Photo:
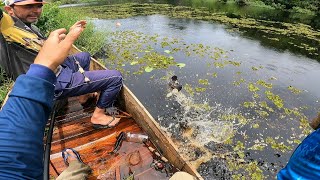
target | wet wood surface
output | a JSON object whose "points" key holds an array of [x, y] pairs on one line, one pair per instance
{"points": [[74, 130]]}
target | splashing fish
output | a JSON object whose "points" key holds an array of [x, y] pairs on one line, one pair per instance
{"points": [[174, 83]]}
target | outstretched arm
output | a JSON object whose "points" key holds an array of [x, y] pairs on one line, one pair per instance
{"points": [[23, 118]]}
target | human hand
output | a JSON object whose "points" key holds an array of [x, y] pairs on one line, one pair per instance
{"points": [[315, 122], [81, 23], [57, 46]]}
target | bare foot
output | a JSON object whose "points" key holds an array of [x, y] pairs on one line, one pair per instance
{"points": [[99, 117], [84, 98]]}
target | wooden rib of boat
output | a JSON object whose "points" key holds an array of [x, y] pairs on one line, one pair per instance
{"points": [[74, 130]]}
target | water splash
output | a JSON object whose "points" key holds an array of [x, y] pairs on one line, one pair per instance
{"points": [[202, 120]]}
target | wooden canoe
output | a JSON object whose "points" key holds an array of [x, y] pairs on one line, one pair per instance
{"points": [[74, 130]]}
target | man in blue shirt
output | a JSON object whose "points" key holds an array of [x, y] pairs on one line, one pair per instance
{"points": [[24, 116]]}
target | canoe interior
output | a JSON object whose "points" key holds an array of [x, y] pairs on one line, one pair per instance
{"points": [[74, 130]]}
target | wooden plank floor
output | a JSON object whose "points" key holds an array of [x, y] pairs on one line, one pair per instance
{"points": [[74, 130]]}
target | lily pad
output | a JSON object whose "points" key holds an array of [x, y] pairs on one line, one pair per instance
{"points": [[148, 69], [133, 63], [167, 51], [181, 65]]}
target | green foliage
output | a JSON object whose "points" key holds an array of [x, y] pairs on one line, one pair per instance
{"points": [[241, 2], [312, 5], [5, 85], [66, 1], [223, 1], [49, 19], [54, 18]]}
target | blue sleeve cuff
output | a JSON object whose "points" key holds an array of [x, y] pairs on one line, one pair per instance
{"points": [[43, 72]]}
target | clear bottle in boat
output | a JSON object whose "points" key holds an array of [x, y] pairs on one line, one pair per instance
{"points": [[139, 138]]}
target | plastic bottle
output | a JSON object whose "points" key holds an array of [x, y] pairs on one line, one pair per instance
{"points": [[139, 138]]}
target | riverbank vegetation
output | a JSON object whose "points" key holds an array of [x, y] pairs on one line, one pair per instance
{"points": [[306, 6]]}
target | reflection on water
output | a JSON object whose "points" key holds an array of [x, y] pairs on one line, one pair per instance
{"points": [[204, 121]]}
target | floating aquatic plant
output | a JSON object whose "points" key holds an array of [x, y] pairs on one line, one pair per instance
{"points": [[189, 89], [275, 99], [167, 51], [181, 65], [148, 69], [294, 90], [200, 89], [237, 83], [278, 145], [204, 82], [264, 84], [253, 88]]}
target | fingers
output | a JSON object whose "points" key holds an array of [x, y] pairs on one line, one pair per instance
{"points": [[62, 36], [57, 46], [82, 22], [79, 23], [57, 33], [72, 36]]}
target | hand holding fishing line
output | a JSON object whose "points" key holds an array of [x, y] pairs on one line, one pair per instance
{"points": [[57, 47]]}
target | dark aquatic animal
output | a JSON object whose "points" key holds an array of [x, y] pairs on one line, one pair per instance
{"points": [[174, 84], [118, 143]]}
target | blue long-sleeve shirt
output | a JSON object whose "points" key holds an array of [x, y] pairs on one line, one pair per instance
{"points": [[22, 124], [305, 161]]}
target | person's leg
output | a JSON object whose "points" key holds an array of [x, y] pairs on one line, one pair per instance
{"points": [[84, 59], [76, 170], [108, 82]]}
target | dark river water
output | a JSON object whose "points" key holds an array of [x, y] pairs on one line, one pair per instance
{"points": [[281, 68]]}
